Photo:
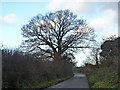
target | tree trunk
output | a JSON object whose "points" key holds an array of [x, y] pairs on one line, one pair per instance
{"points": [[97, 63]]}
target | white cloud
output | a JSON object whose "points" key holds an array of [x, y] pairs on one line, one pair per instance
{"points": [[104, 19], [102, 16], [106, 24], [10, 19], [75, 6]]}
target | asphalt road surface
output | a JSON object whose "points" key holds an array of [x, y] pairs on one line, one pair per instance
{"points": [[78, 81]]}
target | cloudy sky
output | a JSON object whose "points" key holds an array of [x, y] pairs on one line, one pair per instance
{"points": [[102, 16]]}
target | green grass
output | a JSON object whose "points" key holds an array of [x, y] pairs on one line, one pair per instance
{"points": [[50, 83], [103, 78], [38, 84]]}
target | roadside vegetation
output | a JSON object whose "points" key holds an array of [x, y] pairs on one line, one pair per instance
{"points": [[46, 55], [50, 83], [103, 78], [105, 74], [22, 70]]}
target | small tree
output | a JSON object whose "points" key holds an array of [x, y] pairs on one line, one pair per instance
{"points": [[94, 57], [56, 33]]}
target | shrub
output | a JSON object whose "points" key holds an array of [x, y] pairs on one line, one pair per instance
{"points": [[101, 84]]}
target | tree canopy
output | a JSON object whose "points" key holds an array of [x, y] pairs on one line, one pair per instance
{"points": [[110, 47], [55, 34]]}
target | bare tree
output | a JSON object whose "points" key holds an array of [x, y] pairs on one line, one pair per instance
{"points": [[56, 33], [94, 57]]}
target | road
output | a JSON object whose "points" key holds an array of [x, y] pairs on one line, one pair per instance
{"points": [[77, 81]]}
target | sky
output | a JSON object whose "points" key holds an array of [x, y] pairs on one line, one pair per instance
{"points": [[102, 16]]}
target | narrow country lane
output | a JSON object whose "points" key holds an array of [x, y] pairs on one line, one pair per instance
{"points": [[78, 81]]}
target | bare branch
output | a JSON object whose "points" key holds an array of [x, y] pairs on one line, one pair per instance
{"points": [[60, 31]]}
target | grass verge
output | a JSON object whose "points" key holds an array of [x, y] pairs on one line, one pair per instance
{"points": [[103, 78], [51, 83]]}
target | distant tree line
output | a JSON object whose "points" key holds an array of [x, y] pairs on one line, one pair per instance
{"points": [[105, 73], [105, 55]]}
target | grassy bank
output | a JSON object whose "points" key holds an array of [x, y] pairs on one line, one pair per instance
{"points": [[103, 78], [51, 83], [45, 84]]}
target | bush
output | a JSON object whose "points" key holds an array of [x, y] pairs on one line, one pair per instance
{"points": [[24, 70], [103, 78], [101, 84]]}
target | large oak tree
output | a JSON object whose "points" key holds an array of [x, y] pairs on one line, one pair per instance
{"points": [[55, 34]]}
